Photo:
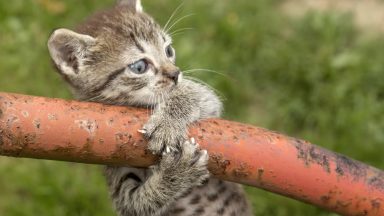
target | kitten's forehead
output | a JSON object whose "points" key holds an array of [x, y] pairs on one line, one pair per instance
{"points": [[121, 24]]}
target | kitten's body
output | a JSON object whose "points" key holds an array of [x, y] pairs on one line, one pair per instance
{"points": [[94, 62]]}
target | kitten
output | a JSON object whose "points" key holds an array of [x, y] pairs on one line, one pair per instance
{"points": [[121, 56]]}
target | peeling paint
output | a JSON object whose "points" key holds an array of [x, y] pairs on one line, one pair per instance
{"points": [[37, 123], [10, 120], [25, 113], [242, 171], [220, 162], [88, 125], [52, 117]]}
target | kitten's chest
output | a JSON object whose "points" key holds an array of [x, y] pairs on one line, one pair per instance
{"points": [[214, 198]]}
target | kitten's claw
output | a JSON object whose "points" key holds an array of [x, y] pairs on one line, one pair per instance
{"points": [[167, 149], [193, 142], [143, 131]]}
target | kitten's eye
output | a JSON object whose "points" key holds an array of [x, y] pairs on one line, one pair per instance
{"points": [[139, 67], [169, 51]]}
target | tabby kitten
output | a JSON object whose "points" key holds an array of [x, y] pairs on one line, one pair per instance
{"points": [[121, 56]]}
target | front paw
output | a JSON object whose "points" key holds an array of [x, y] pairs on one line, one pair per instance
{"points": [[162, 137], [189, 165]]}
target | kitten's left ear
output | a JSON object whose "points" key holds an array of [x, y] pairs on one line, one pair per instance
{"points": [[135, 5]]}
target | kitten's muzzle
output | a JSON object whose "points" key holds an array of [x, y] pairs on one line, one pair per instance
{"points": [[174, 76]]}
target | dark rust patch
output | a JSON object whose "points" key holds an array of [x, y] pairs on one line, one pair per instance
{"points": [[1, 139], [86, 151], [376, 204], [339, 170], [325, 199], [17, 143], [377, 181], [310, 154], [64, 153], [260, 173], [346, 165], [220, 162], [37, 123], [68, 150]]}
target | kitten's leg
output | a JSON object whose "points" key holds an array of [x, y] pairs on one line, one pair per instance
{"points": [[186, 103], [150, 195]]}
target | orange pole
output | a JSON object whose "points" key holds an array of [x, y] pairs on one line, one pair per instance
{"points": [[37, 127]]}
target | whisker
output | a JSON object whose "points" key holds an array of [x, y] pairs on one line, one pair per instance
{"points": [[190, 71], [221, 95], [179, 31], [162, 97], [178, 20], [149, 106], [172, 15]]}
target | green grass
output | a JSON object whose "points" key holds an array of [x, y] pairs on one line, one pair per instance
{"points": [[316, 77]]}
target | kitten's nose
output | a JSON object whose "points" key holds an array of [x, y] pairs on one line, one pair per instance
{"points": [[174, 76]]}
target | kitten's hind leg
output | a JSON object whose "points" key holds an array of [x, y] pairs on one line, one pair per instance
{"points": [[151, 194]]}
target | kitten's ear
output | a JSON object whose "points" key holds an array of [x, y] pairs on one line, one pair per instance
{"points": [[135, 5], [68, 49]]}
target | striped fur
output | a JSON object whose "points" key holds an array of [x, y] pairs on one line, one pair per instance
{"points": [[94, 60]]}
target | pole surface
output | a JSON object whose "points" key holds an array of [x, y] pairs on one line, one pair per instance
{"points": [[56, 129]]}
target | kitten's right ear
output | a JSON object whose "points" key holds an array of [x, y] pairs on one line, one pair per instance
{"points": [[68, 50]]}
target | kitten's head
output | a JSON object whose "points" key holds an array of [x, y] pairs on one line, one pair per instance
{"points": [[118, 56]]}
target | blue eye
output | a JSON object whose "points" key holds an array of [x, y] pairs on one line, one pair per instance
{"points": [[139, 67]]}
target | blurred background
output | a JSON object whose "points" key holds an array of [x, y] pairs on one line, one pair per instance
{"points": [[310, 69]]}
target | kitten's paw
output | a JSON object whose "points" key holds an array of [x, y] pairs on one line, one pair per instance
{"points": [[189, 164], [162, 137]]}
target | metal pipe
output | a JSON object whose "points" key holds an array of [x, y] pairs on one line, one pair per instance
{"points": [[56, 129]]}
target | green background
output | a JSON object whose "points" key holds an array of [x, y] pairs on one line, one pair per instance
{"points": [[317, 77]]}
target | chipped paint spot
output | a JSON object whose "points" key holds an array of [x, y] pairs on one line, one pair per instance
{"points": [[52, 116], [220, 162], [376, 203], [101, 141], [25, 113], [11, 119], [37, 123], [88, 125], [242, 171], [110, 122], [123, 138]]}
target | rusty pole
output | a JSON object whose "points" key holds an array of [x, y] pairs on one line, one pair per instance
{"points": [[56, 129]]}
